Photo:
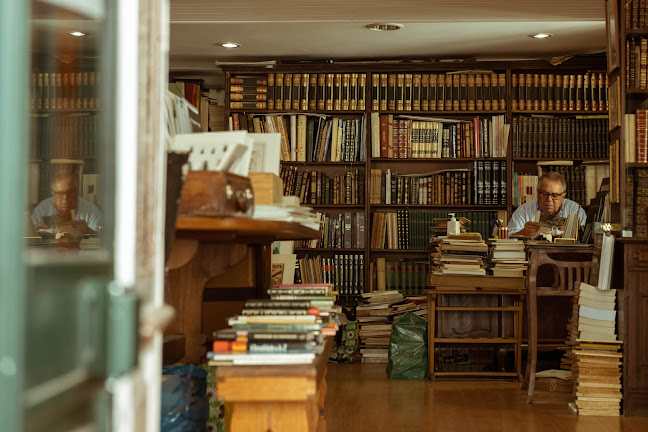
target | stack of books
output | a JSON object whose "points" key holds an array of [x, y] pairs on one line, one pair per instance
{"points": [[288, 329], [374, 323], [595, 359], [507, 258], [248, 92], [460, 254]]}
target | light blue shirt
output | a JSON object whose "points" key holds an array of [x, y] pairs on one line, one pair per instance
{"points": [[527, 212], [85, 210]]}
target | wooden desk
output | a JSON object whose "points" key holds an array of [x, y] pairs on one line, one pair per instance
{"points": [[573, 263], [275, 398], [204, 248], [473, 285]]}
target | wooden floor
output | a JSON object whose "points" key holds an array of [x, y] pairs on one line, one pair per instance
{"points": [[361, 398]]}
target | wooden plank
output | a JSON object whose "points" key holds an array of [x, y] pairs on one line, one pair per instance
{"points": [[477, 308], [476, 281], [477, 340]]}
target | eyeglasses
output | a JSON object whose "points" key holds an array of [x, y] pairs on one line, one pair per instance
{"points": [[62, 194], [554, 196]]}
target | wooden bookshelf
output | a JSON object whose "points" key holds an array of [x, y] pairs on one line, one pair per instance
{"points": [[368, 161]]}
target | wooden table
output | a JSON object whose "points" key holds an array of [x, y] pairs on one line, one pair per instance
{"points": [[475, 285], [204, 248], [286, 398], [573, 263]]}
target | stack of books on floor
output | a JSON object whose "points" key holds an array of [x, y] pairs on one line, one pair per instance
{"points": [[374, 319], [278, 331], [460, 254], [596, 359], [507, 258]]}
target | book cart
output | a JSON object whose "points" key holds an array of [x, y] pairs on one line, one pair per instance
{"points": [[457, 299]]}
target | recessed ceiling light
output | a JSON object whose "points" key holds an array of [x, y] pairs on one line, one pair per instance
{"points": [[230, 45], [541, 35], [77, 33], [385, 26]]}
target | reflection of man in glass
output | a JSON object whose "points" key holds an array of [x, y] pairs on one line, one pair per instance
{"points": [[65, 208]]}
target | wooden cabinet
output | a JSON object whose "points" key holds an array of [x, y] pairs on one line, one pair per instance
{"points": [[629, 277]]}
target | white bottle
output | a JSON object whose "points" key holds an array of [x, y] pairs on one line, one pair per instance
{"points": [[453, 225]]}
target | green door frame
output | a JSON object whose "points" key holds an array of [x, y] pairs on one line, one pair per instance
{"points": [[14, 112]]}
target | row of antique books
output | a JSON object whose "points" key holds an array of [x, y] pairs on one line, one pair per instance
{"points": [[637, 188], [345, 272], [287, 329], [309, 138], [551, 92], [636, 15], [64, 136], [346, 230], [550, 137], [300, 91], [451, 91], [408, 277], [64, 90], [420, 137], [485, 184], [413, 229], [636, 63], [316, 187], [636, 136]]}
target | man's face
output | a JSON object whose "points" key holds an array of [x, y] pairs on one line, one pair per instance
{"points": [[65, 193], [550, 197]]}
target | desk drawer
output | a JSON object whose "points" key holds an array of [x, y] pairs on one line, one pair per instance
{"points": [[637, 255]]}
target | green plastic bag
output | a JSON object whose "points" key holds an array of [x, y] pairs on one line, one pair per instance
{"points": [[408, 351]]}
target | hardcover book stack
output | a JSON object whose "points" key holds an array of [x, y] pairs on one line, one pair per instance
{"points": [[549, 137], [433, 138], [507, 258], [277, 331], [524, 188], [315, 187], [460, 254], [248, 92], [322, 92], [551, 92], [309, 138], [450, 91], [374, 322], [347, 230], [595, 359], [344, 271]]}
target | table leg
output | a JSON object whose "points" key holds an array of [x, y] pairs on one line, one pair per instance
{"points": [[431, 332]]}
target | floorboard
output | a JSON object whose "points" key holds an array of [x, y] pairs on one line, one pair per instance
{"points": [[361, 398]]}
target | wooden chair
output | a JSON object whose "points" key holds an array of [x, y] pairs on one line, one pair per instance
{"points": [[571, 264]]}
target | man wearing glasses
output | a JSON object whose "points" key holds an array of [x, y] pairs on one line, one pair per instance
{"points": [[66, 208], [551, 202]]}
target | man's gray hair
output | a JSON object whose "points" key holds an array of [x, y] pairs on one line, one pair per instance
{"points": [[554, 177]]}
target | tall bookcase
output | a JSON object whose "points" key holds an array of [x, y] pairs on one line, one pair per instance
{"points": [[396, 97]]}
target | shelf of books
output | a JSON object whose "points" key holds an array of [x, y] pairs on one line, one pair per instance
{"points": [[384, 154], [629, 142]]}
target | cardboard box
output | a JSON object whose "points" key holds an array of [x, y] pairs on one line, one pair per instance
{"points": [[268, 188]]}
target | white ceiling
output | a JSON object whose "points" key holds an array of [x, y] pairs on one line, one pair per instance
{"points": [[336, 29]]}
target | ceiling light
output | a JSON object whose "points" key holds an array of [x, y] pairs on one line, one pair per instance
{"points": [[385, 26], [77, 33], [541, 35], [230, 45]]}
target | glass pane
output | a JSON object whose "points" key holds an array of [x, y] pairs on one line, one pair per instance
{"points": [[65, 203]]}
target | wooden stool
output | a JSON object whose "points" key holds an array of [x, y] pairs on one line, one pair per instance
{"points": [[573, 264]]}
